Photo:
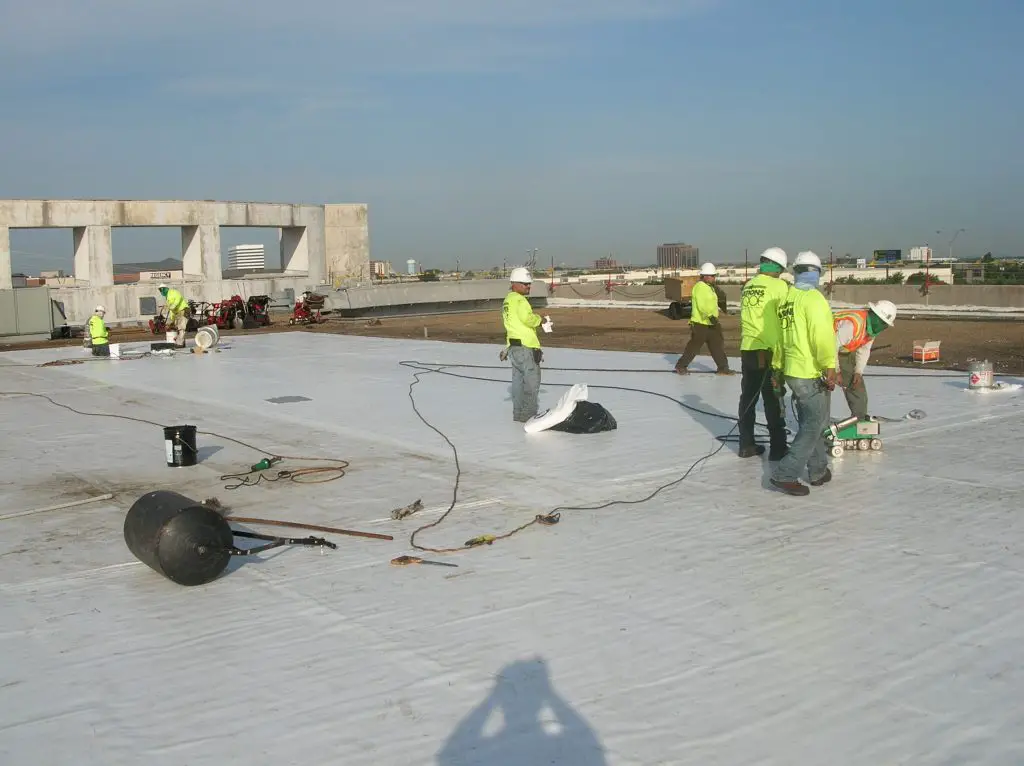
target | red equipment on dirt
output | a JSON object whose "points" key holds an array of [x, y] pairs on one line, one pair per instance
{"points": [[257, 311], [229, 313], [307, 310]]}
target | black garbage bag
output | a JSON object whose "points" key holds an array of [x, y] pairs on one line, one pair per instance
{"points": [[587, 418]]}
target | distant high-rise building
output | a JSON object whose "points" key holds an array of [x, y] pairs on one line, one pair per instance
{"points": [[247, 258], [606, 263], [380, 268], [678, 255]]}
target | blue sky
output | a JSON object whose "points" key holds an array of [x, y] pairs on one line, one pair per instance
{"points": [[478, 129]]}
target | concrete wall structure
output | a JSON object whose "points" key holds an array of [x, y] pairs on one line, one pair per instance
{"points": [[990, 296], [319, 244], [455, 295]]}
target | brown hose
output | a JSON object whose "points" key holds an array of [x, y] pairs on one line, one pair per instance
{"points": [[313, 527]]}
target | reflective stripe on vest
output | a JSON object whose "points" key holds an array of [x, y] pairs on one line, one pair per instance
{"points": [[858, 320]]}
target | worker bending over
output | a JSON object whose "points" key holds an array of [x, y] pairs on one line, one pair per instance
{"points": [[177, 313], [704, 326], [761, 299], [856, 330], [807, 363], [99, 336], [522, 347]]}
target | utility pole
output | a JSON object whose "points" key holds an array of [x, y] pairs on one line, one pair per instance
{"points": [[745, 265]]}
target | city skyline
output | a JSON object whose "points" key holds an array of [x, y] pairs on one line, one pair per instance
{"points": [[478, 130]]}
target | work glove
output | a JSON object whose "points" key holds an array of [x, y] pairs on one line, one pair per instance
{"points": [[830, 379], [547, 325], [503, 355], [538, 355], [858, 381]]}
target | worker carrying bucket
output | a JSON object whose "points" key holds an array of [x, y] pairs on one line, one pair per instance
{"points": [[856, 330], [177, 313]]}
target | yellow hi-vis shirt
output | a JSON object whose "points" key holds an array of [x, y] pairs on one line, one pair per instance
{"points": [[520, 322], [176, 303], [808, 341], [98, 331], [759, 312], [703, 303]]}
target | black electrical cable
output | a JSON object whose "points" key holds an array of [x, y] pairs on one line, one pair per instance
{"points": [[553, 516]]}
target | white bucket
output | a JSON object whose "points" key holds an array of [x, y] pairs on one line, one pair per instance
{"points": [[979, 374], [207, 337], [115, 350], [172, 337]]}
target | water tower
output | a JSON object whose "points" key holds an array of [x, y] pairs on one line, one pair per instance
{"points": [[411, 266]]}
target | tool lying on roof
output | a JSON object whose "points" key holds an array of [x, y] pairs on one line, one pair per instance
{"points": [[190, 543], [215, 504], [402, 561]]}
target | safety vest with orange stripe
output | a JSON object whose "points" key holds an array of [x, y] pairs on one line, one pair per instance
{"points": [[851, 328]]}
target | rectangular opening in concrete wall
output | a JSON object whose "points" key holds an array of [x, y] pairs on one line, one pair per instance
{"points": [[147, 306], [35, 252], [146, 253], [250, 250]]}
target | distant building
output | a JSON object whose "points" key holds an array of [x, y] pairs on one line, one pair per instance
{"points": [[923, 254], [606, 263], [678, 255], [380, 268], [247, 258]]}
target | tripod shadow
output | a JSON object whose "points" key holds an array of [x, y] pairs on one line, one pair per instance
{"points": [[522, 721]]}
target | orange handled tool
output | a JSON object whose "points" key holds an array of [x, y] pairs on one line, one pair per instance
{"points": [[402, 561]]}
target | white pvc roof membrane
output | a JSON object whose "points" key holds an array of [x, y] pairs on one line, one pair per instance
{"points": [[877, 621]]}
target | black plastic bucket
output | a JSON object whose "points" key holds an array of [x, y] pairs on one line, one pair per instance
{"points": [[181, 539], [180, 445]]}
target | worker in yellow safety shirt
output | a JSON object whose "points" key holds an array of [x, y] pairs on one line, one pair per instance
{"points": [[522, 346], [856, 330], [760, 337], [704, 326], [99, 336], [807, 364], [177, 313]]}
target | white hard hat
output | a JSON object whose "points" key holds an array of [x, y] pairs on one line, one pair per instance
{"points": [[521, 275], [100, 310], [807, 258], [775, 255], [886, 311], [162, 286], [708, 270]]}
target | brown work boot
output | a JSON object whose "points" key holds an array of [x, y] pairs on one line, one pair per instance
{"points": [[752, 450], [792, 487], [823, 479], [725, 372], [682, 371]]}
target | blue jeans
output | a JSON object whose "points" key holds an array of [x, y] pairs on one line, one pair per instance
{"points": [[808, 447], [525, 382]]}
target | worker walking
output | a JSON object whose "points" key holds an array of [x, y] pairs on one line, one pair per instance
{"points": [[99, 336], [761, 299], [704, 326], [177, 313], [807, 363], [522, 347], [856, 330]]}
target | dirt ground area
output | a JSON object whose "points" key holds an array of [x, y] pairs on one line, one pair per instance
{"points": [[963, 340]]}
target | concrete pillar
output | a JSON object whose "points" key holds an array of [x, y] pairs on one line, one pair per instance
{"points": [[200, 252], [6, 283], [346, 243], [294, 249], [94, 258]]}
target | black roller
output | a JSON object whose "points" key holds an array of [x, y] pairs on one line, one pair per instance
{"points": [[181, 539]]}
